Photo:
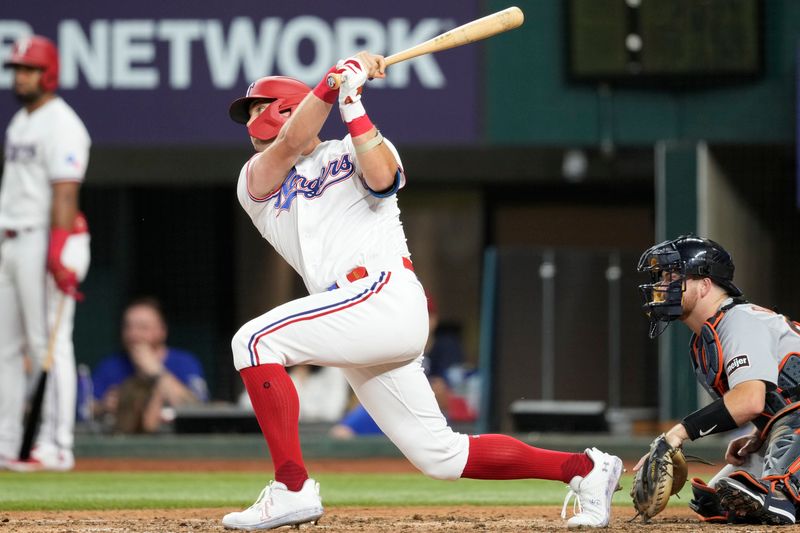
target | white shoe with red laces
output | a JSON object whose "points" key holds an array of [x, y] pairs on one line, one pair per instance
{"points": [[278, 506], [594, 492]]}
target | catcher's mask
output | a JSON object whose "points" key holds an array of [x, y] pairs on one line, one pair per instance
{"points": [[283, 93], [670, 264]]}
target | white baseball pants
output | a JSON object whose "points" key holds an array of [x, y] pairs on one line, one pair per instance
{"points": [[375, 330]]}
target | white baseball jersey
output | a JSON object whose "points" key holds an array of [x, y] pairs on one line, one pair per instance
{"points": [[324, 220], [49, 145]]}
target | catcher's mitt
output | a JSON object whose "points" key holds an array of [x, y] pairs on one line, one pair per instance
{"points": [[662, 474]]}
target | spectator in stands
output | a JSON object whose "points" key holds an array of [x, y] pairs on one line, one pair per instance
{"points": [[135, 388], [444, 366]]}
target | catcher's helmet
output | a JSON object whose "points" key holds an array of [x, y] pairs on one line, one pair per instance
{"points": [[688, 255], [37, 52], [285, 94]]}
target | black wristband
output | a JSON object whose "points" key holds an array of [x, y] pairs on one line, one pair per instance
{"points": [[713, 418]]}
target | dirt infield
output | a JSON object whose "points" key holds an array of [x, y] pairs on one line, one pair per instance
{"points": [[345, 519], [363, 520]]}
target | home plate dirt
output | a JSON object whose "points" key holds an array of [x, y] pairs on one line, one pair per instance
{"points": [[361, 519]]}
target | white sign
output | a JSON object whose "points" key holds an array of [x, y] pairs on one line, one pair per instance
{"points": [[123, 54]]}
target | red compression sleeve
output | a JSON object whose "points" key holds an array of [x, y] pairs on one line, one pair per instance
{"points": [[503, 457], [277, 409]]}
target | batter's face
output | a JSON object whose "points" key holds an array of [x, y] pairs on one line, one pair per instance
{"points": [[143, 325], [26, 84], [256, 108]]}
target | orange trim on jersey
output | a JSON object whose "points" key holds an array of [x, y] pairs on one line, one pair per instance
{"points": [[783, 412], [786, 358]]}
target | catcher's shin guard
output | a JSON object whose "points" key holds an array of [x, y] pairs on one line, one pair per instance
{"points": [[782, 455], [705, 503]]}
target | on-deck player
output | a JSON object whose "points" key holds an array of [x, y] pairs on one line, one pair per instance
{"points": [[329, 208], [44, 253]]}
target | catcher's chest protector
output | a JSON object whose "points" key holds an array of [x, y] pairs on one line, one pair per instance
{"points": [[708, 362]]}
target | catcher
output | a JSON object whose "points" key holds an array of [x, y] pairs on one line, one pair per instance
{"points": [[747, 357]]}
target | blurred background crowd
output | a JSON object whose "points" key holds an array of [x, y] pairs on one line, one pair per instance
{"points": [[540, 164]]}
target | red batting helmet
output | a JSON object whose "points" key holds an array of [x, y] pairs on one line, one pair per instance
{"points": [[284, 93], [37, 52]]}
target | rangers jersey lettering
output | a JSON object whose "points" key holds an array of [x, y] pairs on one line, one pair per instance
{"points": [[324, 220], [336, 171]]}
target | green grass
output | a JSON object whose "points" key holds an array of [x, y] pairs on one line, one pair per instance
{"points": [[159, 490]]}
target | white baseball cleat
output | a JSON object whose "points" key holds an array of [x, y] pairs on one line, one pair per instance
{"points": [[593, 493], [45, 458], [278, 506]]}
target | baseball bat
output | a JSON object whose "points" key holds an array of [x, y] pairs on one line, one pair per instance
{"points": [[35, 413], [478, 29]]}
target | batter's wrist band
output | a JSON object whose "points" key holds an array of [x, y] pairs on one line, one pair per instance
{"points": [[370, 144], [711, 419], [360, 125], [325, 93]]}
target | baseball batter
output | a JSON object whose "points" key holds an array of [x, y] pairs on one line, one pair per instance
{"points": [[330, 209], [44, 253], [747, 357]]}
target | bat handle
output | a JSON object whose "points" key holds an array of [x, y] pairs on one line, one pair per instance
{"points": [[334, 80]]}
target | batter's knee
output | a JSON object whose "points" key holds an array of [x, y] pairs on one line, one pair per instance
{"points": [[240, 350], [445, 461], [441, 471]]}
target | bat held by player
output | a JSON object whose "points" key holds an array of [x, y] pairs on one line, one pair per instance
{"points": [[477, 30]]}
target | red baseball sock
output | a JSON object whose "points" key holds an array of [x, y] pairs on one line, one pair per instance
{"points": [[277, 409], [504, 457]]}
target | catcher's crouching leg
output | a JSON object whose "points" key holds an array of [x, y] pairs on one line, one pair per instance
{"points": [[782, 458], [754, 501], [773, 498], [705, 502]]}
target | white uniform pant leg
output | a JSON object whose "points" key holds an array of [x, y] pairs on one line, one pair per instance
{"points": [[57, 431], [379, 319], [30, 280], [12, 370], [400, 400]]}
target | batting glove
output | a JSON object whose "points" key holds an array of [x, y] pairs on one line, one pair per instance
{"points": [[353, 79]]}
